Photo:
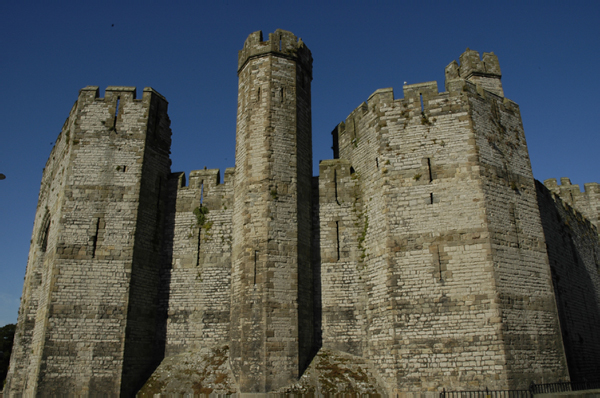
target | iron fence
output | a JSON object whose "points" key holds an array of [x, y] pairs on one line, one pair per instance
{"points": [[486, 394], [546, 388], [563, 387]]}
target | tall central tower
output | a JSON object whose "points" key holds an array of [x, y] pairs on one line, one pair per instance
{"points": [[271, 305]]}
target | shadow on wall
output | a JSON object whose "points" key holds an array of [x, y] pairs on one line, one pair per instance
{"points": [[573, 247]]}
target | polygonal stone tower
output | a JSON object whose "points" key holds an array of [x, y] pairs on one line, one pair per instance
{"points": [[271, 305], [87, 323]]}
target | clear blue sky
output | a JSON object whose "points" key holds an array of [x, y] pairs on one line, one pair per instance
{"points": [[549, 53]]}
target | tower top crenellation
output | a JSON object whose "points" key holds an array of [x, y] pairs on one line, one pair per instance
{"points": [[484, 71], [281, 43]]}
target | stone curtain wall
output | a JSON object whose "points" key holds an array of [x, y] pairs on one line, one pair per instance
{"points": [[573, 253], [197, 277], [587, 202], [343, 292]]}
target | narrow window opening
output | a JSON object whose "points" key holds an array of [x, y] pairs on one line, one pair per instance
{"points": [[336, 143], [431, 198], [45, 233], [337, 237], [117, 111], [439, 262], [335, 186], [377, 162], [255, 259], [282, 94], [279, 43], [422, 107], [123, 168], [258, 95], [95, 238], [198, 247], [201, 191], [429, 168]]}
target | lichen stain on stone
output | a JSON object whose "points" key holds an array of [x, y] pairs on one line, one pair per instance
{"points": [[200, 372]]}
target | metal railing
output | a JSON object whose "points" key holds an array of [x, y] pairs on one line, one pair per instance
{"points": [[486, 394], [546, 388]]}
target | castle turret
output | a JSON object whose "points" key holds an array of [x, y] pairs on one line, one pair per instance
{"points": [[484, 72], [271, 307]]}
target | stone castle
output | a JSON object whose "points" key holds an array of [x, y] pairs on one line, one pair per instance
{"points": [[424, 256]]}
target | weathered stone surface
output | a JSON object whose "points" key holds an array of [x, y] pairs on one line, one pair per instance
{"points": [[424, 256], [205, 372]]}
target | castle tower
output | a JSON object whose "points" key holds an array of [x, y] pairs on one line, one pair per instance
{"points": [[87, 323], [439, 233], [485, 72], [271, 305]]}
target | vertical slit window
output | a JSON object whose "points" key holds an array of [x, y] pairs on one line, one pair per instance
{"points": [[422, 107], [198, 246], [117, 111], [439, 262], [377, 162], [335, 186], [201, 191], [431, 198], [429, 168], [95, 238], [255, 260], [337, 237]]}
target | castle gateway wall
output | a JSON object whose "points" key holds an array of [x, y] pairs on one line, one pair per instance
{"points": [[424, 257]]}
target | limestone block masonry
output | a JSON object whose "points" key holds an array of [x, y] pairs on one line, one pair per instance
{"points": [[423, 257]]}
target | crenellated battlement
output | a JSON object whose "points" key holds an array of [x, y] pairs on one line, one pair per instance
{"points": [[125, 93], [281, 43], [426, 231], [586, 202], [482, 71]]}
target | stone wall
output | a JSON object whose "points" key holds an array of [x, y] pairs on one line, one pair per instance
{"points": [[587, 202], [196, 278], [573, 252], [272, 299], [448, 264], [343, 292], [24, 364], [97, 301], [530, 333], [423, 257]]}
